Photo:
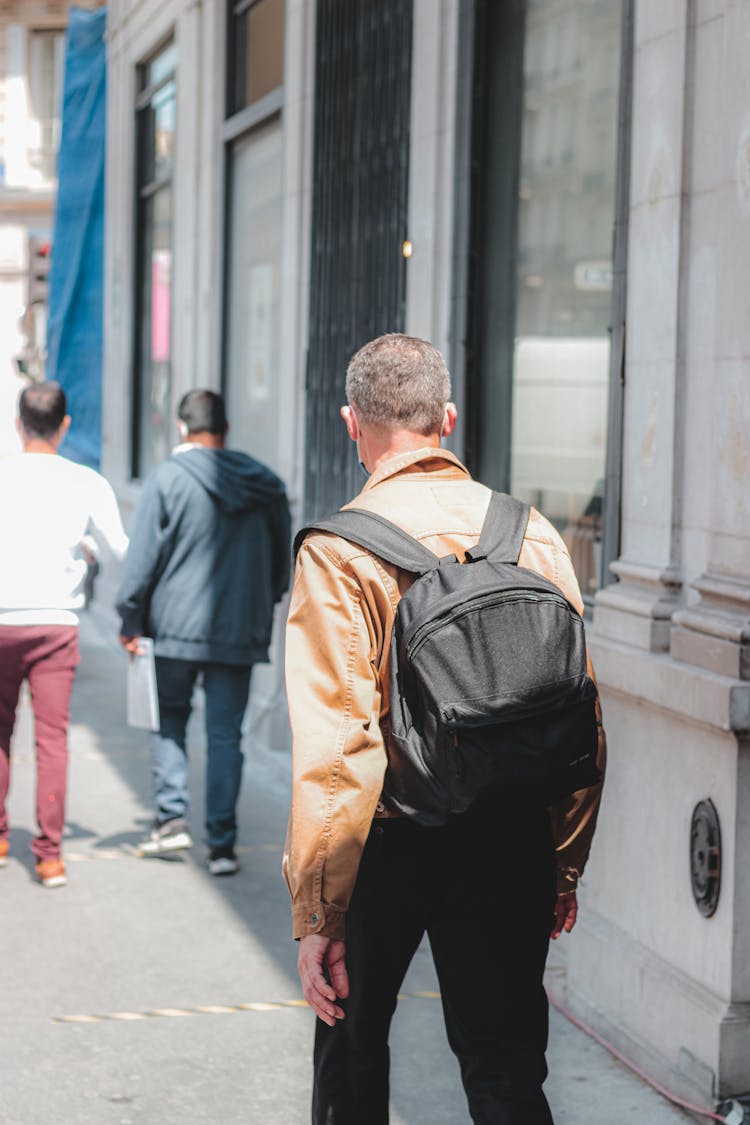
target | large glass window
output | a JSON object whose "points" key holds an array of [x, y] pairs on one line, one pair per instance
{"points": [[155, 129], [255, 50], [564, 268], [542, 228], [253, 291]]}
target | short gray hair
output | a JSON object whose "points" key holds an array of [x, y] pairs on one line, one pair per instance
{"points": [[399, 382]]}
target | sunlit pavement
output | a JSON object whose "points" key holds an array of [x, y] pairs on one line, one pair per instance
{"points": [[148, 992]]}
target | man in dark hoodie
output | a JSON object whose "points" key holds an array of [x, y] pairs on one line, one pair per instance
{"points": [[208, 559]]}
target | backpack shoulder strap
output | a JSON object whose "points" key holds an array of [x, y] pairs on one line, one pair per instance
{"points": [[376, 534], [503, 529]]}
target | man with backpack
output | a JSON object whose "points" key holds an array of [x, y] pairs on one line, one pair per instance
{"points": [[447, 750]]}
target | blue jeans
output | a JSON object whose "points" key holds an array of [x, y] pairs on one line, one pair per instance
{"points": [[227, 687]]}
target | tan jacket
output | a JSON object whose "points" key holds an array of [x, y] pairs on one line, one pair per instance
{"points": [[338, 637]]}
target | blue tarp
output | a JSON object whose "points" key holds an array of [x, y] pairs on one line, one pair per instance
{"points": [[74, 335]]}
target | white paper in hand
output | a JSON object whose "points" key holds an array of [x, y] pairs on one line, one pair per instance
{"points": [[143, 702]]}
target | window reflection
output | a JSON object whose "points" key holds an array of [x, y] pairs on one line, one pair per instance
{"points": [[566, 213], [253, 292], [154, 268], [158, 68]]}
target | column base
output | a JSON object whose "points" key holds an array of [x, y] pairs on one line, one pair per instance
{"points": [[715, 634], [678, 1032], [638, 609]]}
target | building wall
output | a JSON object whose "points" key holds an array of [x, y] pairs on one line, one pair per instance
{"points": [[135, 31], [670, 639], [27, 193]]}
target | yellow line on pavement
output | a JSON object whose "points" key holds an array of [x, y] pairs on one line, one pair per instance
{"points": [[131, 851], [213, 1009]]}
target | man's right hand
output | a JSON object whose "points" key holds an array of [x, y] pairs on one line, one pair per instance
{"points": [[566, 912], [316, 954], [130, 644]]}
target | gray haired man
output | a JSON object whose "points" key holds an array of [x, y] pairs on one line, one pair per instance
{"points": [[488, 887]]}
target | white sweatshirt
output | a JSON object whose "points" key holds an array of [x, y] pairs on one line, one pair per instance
{"points": [[47, 505]]}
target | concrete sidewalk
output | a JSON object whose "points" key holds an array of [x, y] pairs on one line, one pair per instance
{"points": [[148, 992]]}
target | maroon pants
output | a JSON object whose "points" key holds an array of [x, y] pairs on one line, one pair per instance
{"points": [[47, 656]]}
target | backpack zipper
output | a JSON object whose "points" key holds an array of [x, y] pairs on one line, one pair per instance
{"points": [[486, 601]]}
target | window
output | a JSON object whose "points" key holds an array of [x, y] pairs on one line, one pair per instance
{"points": [[564, 270], [155, 140], [252, 313], [253, 308], [46, 71], [543, 210], [256, 51]]}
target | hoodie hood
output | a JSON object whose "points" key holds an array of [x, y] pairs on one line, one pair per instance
{"points": [[235, 482]]}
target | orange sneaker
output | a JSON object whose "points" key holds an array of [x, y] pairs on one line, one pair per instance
{"points": [[4, 851], [51, 873]]}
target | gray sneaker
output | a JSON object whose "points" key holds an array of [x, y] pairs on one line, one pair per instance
{"points": [[171, 836]]}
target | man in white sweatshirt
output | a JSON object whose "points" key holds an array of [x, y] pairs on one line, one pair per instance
{"points": [[47, 506]]}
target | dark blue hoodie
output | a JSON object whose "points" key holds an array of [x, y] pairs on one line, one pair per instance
{"points": [[209, 557]]}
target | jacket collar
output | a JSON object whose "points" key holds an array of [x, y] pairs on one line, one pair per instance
{"points": [[429, 460]]}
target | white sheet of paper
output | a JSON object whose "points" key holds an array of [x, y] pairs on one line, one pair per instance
{"points": [[143, 702]]}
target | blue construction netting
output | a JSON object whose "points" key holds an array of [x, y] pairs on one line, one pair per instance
{"points": [[74, 338]]}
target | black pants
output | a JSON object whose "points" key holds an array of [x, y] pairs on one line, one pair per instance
{"points": [[483, 890]]}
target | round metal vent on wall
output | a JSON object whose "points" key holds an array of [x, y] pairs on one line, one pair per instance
{"points": [[705, 857]]}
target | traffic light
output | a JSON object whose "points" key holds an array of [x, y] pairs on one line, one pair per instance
{"points": [[40, 260]]}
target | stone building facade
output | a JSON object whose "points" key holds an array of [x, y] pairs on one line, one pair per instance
{"points": [[671, 636], [557, 193]]}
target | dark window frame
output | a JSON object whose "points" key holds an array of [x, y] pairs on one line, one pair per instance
{"points": [[612, 499]]}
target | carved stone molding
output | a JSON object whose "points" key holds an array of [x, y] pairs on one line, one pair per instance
{"points": [[638, 609], [715, 634]]}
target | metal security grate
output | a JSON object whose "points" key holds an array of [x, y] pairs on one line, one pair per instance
{"points": [[360, 199]]}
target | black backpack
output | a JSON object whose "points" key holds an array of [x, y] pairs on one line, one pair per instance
{"points": [[488, 680]]}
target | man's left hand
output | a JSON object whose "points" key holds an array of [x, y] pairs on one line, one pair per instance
{"points": [[131, 645], [566, 912]]}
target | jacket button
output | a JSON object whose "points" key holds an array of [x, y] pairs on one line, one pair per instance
{"points": [[314, 918], [380, 807]]}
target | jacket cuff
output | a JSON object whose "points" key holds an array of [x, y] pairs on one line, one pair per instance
{"points": [[131, 625], [567, 880], [319, 919]]}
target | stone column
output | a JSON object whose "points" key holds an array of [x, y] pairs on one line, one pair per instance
{"points": [[670, 640], [713, 632], [637, 609]]}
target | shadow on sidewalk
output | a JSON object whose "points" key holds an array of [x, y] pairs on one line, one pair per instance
{"points": [[257, 893]]}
